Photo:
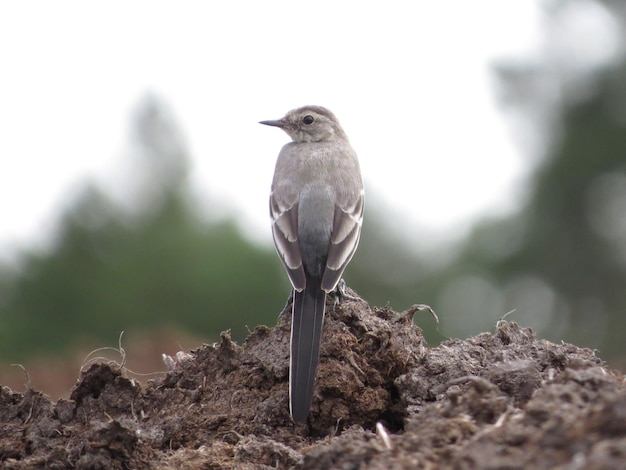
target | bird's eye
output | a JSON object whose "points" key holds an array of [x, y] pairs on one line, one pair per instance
{"points": [[308, 119]]}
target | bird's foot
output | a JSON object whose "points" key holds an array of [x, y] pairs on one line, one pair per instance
{"points": [[286, 310], [341, 293]]}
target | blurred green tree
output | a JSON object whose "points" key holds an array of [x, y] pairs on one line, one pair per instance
{"points": [[560, 262], [147, 263]]}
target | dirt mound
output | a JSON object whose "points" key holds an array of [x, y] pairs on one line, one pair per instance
{"points": [[383, 400]]}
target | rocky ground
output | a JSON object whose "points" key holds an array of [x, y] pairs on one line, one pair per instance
{"points": [[384, 400]]}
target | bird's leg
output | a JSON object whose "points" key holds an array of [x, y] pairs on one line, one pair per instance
{"points": [[286, 309], [341, 293]]}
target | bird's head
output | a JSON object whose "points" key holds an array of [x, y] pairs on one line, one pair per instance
{"points": [[310, 124]]}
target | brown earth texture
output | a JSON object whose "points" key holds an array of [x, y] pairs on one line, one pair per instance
{"points": [[383, 400]]}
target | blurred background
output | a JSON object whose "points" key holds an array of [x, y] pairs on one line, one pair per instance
{"points": [[135, 178]]}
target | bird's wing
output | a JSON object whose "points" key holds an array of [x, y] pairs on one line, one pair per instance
{"points": [[344, 238], [284, 214]]}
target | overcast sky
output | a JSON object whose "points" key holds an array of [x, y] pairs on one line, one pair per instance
{"points": [[410, 83]]}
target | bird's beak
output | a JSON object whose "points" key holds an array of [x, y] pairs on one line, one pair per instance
{"points": [[276, 123]]}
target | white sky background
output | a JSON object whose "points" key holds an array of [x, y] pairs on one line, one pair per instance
{"points": [[410, 83]]}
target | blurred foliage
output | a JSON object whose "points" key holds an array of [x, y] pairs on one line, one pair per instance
{"points": [[559, 263], [150, 264]]}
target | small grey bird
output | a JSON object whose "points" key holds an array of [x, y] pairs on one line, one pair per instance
{"points": [[316, 206]]}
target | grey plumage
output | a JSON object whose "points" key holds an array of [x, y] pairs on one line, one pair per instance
{"points": [[316, 205]]}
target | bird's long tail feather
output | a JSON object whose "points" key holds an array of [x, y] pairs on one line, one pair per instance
{"points": [[306, 335]]}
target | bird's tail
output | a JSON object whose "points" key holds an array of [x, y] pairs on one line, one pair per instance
{"points": [[306, 336]]}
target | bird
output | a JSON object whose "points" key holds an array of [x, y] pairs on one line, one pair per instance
{"points": [[316, 209]]}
